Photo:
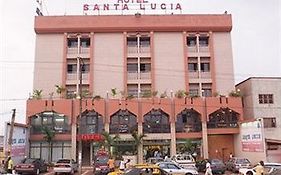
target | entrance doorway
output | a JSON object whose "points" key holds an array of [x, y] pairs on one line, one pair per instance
{"points": [[86, 156], [158, 148]]}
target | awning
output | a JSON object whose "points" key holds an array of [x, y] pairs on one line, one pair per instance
{"points": [[273, 141]]}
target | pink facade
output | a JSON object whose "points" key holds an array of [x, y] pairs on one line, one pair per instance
{"points": [[176, 55]]}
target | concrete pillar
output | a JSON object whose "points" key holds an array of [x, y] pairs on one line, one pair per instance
{"points": [[173, 149], [205, 140], [140, 148], [106, 127], [73, 140]]}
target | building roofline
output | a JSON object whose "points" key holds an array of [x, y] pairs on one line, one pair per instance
{"points": [[132, 23], [256, 78]]}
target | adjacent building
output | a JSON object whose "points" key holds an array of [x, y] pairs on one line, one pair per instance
{"points": [[262, 99], [165, 76]]}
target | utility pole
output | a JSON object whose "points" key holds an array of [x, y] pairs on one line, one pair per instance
{"points": [[10, 139], [79, 91]]}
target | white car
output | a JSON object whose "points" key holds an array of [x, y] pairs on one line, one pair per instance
{"points": [[268, 167], [184, 160], [65, 166], [173, 168]]}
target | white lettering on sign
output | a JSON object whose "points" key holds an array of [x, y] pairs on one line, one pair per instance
{"points": [[126, 5]]}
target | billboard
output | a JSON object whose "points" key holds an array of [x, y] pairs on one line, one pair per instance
{"points": [[252, 137]]}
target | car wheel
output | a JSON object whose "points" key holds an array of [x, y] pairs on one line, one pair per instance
{"points": [[188, 174], [72, 172], [249, 173]]}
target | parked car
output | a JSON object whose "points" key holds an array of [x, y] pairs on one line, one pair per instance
{"points": [[184, 160], [217, 166], [100, 163], [173, 168], [275, 172], [154, 160], [268, 167], [65, 166], [31, 166], [235, 163]]}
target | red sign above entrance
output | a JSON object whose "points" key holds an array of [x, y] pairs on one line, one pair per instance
{"points": [[90, 137]]}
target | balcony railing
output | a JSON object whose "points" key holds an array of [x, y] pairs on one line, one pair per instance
{"points": [[191, 49], [132, 75], [203, 49], [145, 75], [74, 50], [193, 74], [144, 49], [73, 76], [205, 75], [132, 49]]}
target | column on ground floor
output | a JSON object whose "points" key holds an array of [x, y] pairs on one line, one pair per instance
{"points": [[140, 148], [73, 140], [205, 140], [173, 150]]}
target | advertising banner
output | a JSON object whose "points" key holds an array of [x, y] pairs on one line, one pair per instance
{"points": [[252, 137]]}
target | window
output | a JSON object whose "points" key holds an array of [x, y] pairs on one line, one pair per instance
{"points": [[269, 122], [203, 41], [145, 41], [265, 98], [191, 41], [145, 67], [205, 67], [192, 67], [85, 68], [71, 68], [72, 42], [132, 41], [85, 42], [132, 67]]}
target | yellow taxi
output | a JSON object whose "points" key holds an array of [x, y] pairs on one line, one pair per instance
{"points": [[141, 169]]}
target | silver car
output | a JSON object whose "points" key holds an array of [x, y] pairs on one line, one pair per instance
{"points": [[65, 166], [268, 167], [173, 168]]}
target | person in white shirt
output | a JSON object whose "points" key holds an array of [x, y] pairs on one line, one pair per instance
{"points": [[122, 165], [208, 169]]}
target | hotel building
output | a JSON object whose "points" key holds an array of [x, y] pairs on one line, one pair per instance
{"points": [[159, 75]]}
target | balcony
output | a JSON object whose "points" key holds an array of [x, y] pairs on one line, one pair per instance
{"points": [[71, 78], [204, 48], [144, 48], [191, 49], [73, 51], [205, 75], [132, 75], [193, 75], [145, 75], [132, 49], [59, 129]]}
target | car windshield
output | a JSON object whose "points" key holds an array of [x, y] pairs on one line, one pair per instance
{"points": [[63, 161], [242, 161], [102, 159], [27, 161]]}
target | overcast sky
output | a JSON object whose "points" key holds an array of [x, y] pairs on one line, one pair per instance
{"points": [[256, 40]]}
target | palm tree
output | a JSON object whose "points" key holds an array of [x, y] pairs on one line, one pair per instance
{"points": [[138, 138], [109, 141], [60, 89], [189, 146], [37, 94], [48, 136]]}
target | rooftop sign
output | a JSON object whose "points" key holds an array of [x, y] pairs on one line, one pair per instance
{"points": [[133, 5]]}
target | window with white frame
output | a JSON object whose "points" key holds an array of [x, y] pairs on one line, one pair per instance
{"points": [[265, 98], [269, 122]]}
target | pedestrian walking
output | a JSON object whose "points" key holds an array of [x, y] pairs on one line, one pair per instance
{"points": [[10, 165], [111, 164], [208, 169], [122, 165]]}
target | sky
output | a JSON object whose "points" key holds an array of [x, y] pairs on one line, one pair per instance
{"points": [[256, 40]]}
